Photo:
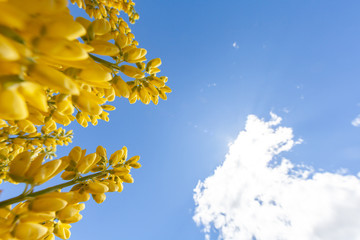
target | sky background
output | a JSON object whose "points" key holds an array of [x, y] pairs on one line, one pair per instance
{"points": [[227, 60]]}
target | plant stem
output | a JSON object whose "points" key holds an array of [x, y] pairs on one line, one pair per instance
{"points": [[104, 62], [23, 197]]}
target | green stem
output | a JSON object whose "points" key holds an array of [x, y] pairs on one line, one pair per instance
{"points": [[104, 62], [23, 197]]}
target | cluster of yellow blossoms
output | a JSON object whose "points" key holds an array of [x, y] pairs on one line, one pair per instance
{"points": [[55, 69]]}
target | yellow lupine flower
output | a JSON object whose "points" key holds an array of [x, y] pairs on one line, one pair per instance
{"points": [[156, 81], [47, 170], [34, 94], [69, 211], [144, 95], [135, 165], [62, 230], [83, 21], [151, 89], [154, 63], [119, 156], [95, 73], [121, 171], [104, 48], [54, 79], [88, 102], [134, 55], [50, 237], [20, 165], [166, 89], [133, 159], [68, 175], [86, 163], [7, 51], [76, 154], [131, 71], [49, 126], [26, 126], [77, 217], [120, 185], [122, 40], [37, 216], [122, 89], [101, 151], [101, 26], [61, 48], [162, 95], [127, 178], [35, 165], [80, 118], [107, 108], [65, 27], [15, 107], [45, 204], [79, 196], [99, 198], [64, 104], [96, 187], [21, 208], [154, 70], [29, 231], [113, 187]]}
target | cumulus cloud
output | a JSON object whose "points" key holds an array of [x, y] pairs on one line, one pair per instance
{"points": [[356, 121], [257, 195]]}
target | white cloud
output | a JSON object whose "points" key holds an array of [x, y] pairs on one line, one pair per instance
{"points": [[235, 45], [250, 196], [356, 121]]}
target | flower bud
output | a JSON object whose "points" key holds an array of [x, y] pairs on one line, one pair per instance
{"points": [[29, 231], [47, 204]]}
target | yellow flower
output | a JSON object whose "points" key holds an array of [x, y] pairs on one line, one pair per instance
{"points": [[135, 55], [62, 230], [61, 48], [26, 126], [7, 51], [20, 165], [100, 26], [65, 27], [131, 71], [13, 105], [96, 187], [86, 163], [29, 231], [104, 48], [95, 73], [154, 63], [35, 95], [70, 211], [37, 217], [122, 89], [99, 198], [49, 170], [54, 79], [44, 204], [118, 157], [88, 102]]}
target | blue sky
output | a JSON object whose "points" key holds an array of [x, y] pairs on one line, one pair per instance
{"points": [[297, 59], [226, 60]]}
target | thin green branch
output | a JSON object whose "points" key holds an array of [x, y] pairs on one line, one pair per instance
{"points": [[23, 197], [104, 62]]}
